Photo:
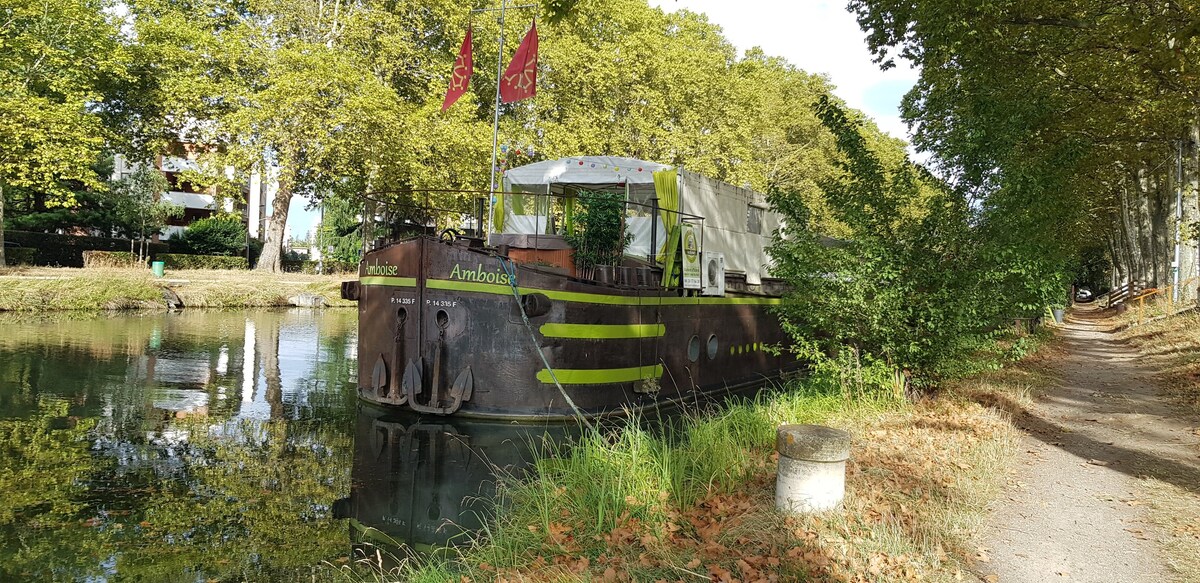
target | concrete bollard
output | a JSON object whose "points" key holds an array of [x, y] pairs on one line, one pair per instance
{"points": [[812, 467]]}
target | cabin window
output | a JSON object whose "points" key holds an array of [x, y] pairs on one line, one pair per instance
{"points": [[754, 219]]}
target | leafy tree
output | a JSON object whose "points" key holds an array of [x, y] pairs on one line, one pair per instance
{"points": [[1063, 121], [341, 230], [900, 287], [142, 206], [58, 56]]}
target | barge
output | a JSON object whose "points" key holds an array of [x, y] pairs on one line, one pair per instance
{"points": [[514, 324]]}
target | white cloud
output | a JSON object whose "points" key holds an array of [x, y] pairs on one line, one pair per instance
{"points": [[818, 36]]}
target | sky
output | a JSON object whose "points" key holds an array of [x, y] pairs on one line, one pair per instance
{"points": [[818, 36]]}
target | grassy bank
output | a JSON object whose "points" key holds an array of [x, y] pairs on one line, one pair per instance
{"points": [[1170, 346], [50, 289], [698, 503]]}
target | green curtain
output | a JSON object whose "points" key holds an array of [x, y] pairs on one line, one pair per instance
{"points": [[569, 213], [666, 188], [498, 214]]}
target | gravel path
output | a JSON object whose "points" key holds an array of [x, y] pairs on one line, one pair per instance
{"points": [[1071, 512]]}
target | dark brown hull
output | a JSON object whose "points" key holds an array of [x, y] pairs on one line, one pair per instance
{"points": [[440, 331]]}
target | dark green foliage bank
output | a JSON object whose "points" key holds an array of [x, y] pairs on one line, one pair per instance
{"points": [[912, 286], [67, 250]]}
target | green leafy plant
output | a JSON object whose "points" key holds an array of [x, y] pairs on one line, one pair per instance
{"points": [[599, 236], [141, 205], [215, 235]]}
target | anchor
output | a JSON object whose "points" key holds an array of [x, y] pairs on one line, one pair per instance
{"points": [[460, 390], [385, 380]]}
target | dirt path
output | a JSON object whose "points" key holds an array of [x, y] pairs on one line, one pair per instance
{"points": [[1072, 511]]}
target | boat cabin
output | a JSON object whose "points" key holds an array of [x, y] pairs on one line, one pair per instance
{"points": [[684, 229]]}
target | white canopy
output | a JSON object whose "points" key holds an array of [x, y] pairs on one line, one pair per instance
{"points": [[584, 171]]}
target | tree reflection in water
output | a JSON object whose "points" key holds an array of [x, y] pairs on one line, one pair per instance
{"points": [[200, 445]]}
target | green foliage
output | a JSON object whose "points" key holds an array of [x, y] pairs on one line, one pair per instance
{"points": [[182, 261], [901, 288], [215, 235], [19, 255], [59, 56], [141, 205], [89, 208], [599, 237], [67, 250], [341, 234], [1061, 120], [111, 259]]}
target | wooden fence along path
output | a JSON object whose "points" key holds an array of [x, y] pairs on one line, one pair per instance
{"points": [[1133, 293]]}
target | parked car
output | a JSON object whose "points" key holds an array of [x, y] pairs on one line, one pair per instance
{"points": [[1084, 295]]}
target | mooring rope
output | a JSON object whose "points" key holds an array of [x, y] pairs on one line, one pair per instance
{"points": [[511, 270]]}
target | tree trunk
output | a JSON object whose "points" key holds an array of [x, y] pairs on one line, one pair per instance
{"points": [[1129, 232], [1158, 209], [267, 341], [368, 227], [1141, 208], [272, 253], [3, 262], [1189, 245]]}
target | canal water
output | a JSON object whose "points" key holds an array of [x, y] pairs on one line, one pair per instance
{"points": [[214, 445]]}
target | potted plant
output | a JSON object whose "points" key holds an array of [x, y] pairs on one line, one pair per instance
{"points": [[598, 237]]}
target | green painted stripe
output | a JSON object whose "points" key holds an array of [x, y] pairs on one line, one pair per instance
{"points": [[601, 376], [469, 286], [590, 298], [602, 331], [392, 281]]}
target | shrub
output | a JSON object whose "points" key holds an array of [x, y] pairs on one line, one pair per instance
{"points": [[67, 250], [19, 256], [216, 235], [110, 259], [181, 261], [307, 266]]}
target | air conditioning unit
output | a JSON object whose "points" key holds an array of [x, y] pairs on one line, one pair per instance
{"points": [[713, 266]]}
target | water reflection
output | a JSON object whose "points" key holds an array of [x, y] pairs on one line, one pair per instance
{"points": [[419, 483], [201, 445]]}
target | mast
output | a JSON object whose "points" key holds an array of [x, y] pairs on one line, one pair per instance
{"points": [[496, 111], [496, 116]]}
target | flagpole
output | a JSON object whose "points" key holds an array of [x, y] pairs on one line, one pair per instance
{"points": [[496, 117]]}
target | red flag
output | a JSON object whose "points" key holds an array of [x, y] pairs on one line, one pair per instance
{"points": [[460, 77], [520, 78]]}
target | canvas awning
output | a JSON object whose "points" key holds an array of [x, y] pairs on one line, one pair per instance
{"points": [[595, 172]]}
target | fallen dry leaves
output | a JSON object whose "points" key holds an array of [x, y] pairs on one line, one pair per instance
{"points": [[906, 469]]}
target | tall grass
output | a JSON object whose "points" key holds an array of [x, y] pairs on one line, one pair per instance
{"points": [[627, 480], [629, 495]]}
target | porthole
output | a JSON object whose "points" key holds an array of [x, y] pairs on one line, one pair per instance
{"points": [[712, 347], [694, 349]]}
